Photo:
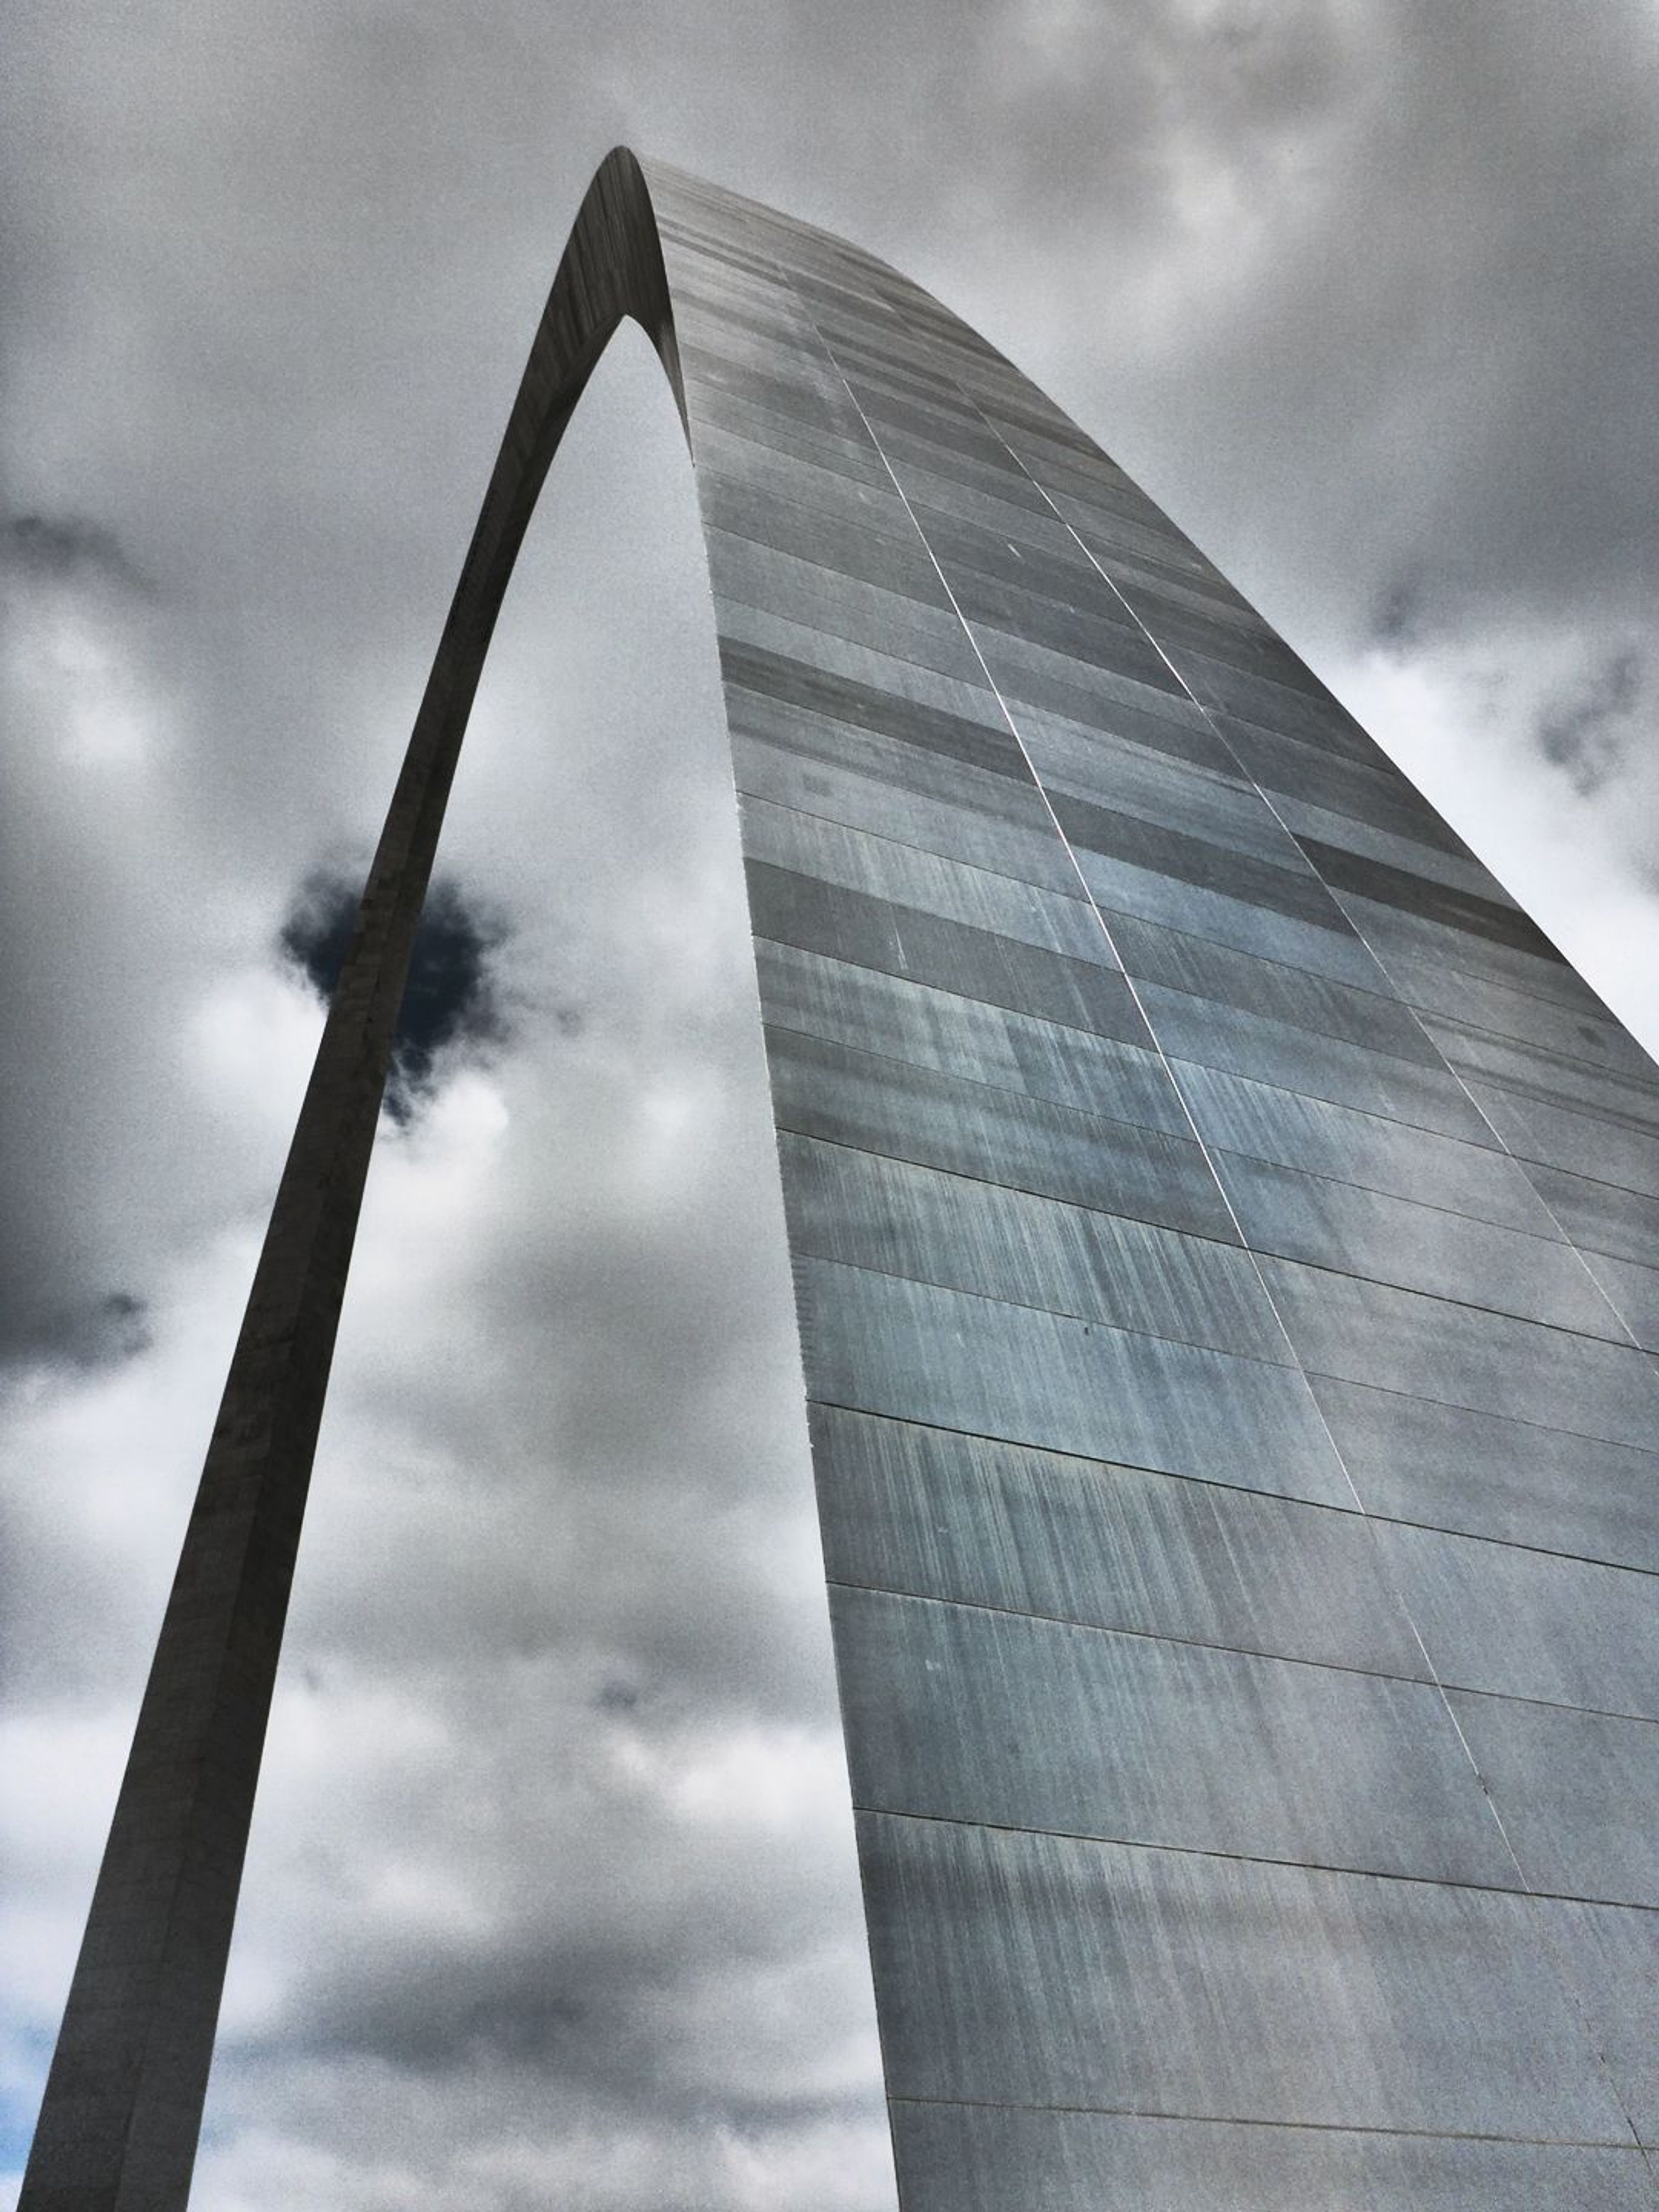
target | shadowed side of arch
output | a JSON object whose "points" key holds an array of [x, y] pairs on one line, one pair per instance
{"points": [[1194, 1165], [122, 2111]]}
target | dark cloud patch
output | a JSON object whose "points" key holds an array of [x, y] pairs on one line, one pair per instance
{"points": [[451, 996], [117, 1329], [1586, 734], [101, 1333], [1397, 616], [57, 546], [317, 934]]}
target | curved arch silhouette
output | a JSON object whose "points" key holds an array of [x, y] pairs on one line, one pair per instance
{"points": [[122, 2111], [1095, 937]]}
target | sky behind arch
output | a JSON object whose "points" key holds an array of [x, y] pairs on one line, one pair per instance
{"points": [[548, 1899]]}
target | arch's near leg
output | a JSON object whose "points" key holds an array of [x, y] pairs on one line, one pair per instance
{"points": [[1179, 1134], [1185, 1144]]}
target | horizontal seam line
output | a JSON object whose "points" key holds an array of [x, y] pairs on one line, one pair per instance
{"points": [[1021, 1190], [976, 1082], [1623, 2146], [972, 867], [1242, 1152], [836, 568], [788, 1127], [1085, 1321], [1468, 938], [1243, 1243], [1198, 1236], [1574, 1061], [992, 1005], [864, 645], [1436, 1065], [1515, 1420], [795, 498], [958, 805], [1521, 1889], [1238, 1651], [1355, 1513]]}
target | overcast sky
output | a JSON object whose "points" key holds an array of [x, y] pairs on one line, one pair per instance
{"points": [[550, 1900]]}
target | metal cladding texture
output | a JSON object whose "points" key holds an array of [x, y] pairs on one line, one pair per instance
{"points": [[1222, 1227]]}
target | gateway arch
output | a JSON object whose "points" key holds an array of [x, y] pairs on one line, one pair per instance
{"points": [[1223, 1228]]}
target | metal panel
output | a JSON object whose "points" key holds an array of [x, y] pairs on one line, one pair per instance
{"points": [[1235, 1114], [1504, 1617], [891, 556], [1245, 983], [956, 687], [1634, 1293], [1534, 1129], [880, 868], [976, 2158], [892, 797], [1418, 855], [1162, 725], [892, 1017], [1487, 1476], [960, 1713], [1123, 774], [826, 1089], [1612, 1954], [1287, 766], [1587, 1028], [930, 1227], [1393, 931], [736, 466], [1489, 912], [1419, 1247], [946, 1516], [790, 909], [1294, 1059], [1277, 879], [1538, 1070], [1576, 1791], [1047, 1971], [1600, 1217], [1460, 1356], [1153, 896], [882, 1345]]}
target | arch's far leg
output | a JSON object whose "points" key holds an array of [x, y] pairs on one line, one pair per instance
{"points": [[122, 2111]]}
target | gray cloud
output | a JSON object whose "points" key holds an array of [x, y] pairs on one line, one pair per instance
{"points": [[1399, 609], [1587, 733], [45, 545], [110, 1327]]}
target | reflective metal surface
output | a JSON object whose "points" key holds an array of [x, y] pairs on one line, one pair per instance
{"points": [[1224, 1242]]}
